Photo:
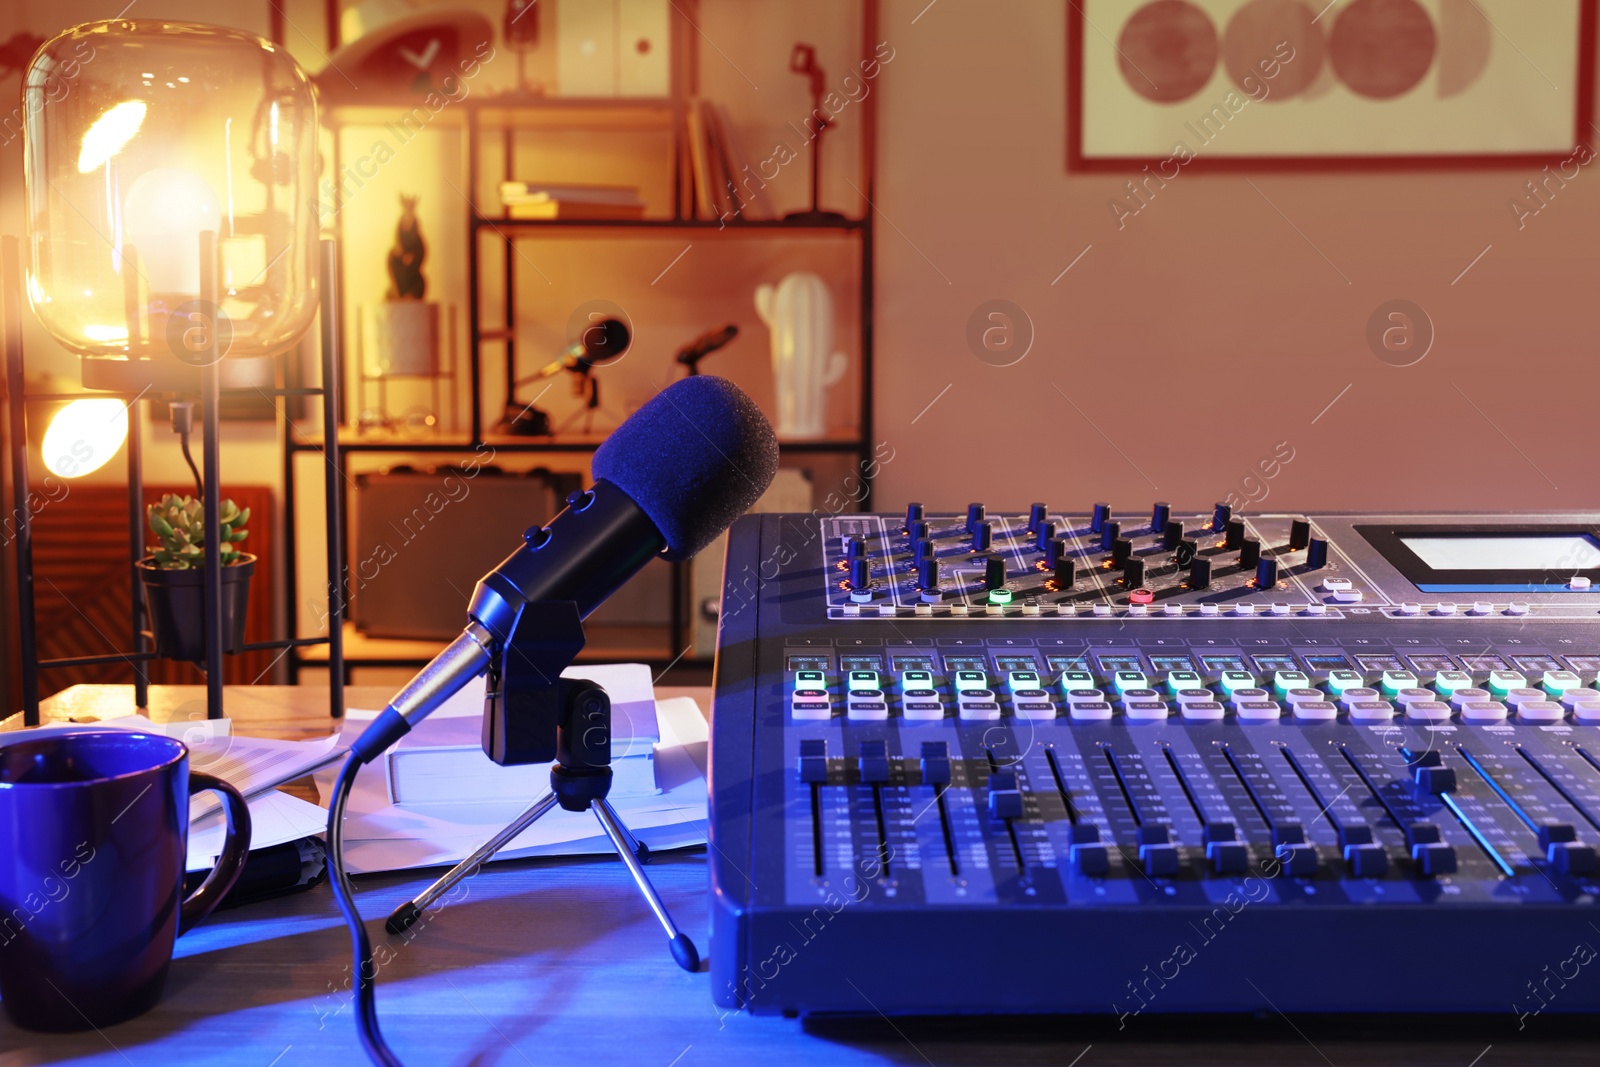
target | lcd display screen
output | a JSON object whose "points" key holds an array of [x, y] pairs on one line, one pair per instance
{"points": [[1564, 552]]}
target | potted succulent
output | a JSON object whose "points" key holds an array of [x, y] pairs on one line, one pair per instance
{"points": [[174, 577]]}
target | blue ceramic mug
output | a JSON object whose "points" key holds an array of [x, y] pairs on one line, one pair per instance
{"points": [[94, 830]]}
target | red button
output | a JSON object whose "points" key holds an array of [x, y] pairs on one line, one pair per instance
{"points": [[1141, 596]]}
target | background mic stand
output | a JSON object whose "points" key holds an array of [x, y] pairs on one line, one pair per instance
{"points": [[533, 715]]}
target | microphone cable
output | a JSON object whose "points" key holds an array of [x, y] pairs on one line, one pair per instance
{"points": [[366, 972]]}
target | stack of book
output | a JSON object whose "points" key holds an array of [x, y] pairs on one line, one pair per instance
{"points": [[545, 200]]}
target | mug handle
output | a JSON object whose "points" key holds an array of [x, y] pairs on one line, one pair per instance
{"points": [[235, 850]]}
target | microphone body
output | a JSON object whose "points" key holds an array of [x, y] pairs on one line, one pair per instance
{"points": [[599, 541]]}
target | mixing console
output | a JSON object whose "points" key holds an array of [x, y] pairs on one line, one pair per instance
{"points": [[1033, 762]]}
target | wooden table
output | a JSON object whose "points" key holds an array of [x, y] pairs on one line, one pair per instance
{"points": [[559, 961]]}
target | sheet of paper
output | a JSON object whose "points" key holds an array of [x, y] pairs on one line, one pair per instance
{"points": [[380, 836], [275, 819]]}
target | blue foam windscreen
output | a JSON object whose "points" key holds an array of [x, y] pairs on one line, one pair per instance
{"points": [[694, 458]]}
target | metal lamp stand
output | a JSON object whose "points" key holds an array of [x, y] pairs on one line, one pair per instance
{"points": [[533, 715], [160, 375]]}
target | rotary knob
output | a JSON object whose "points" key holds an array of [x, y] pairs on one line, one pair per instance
{"points": [[860, 573], [1101, 516], [1036, 514], [1133, 573], [1249, 552], [913, 516], [928, 573], [982, 536], [1316, 553], [854, 548], [1185, 553], [1055, 550], [1109, 534], [1171, 534], [918, 531], [1200, 574], [1233, 534], [1064, 573], [922, 549], [1121, 552], [1159, 514], [1266, 573], [994, 572], [976, 513], [1044, 533], [1299, 534], [1220, 516]]}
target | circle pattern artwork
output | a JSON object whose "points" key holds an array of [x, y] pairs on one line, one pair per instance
{"points": [[1382, 48], [1167, 50], [1253, 38]]}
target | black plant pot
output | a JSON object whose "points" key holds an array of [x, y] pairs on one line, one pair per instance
{"points": [[175, 600]]}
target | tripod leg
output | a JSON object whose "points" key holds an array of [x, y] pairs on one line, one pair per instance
{"points": [[683, 949], [406, 914]]}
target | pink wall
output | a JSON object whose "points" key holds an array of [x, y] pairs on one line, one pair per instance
{"points": [[1208, 330]]}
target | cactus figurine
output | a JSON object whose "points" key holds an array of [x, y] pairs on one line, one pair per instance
{"points": [[405, 258]]}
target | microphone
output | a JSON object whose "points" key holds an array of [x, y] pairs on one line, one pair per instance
{"points": [[601, 342], [701, 347], [668, 481]]}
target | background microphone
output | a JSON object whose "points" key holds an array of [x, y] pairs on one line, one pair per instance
{"points": [[600, 343], [668, 481]]}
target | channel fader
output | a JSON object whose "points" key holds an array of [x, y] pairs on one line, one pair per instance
{"points": [[1028, 761]]}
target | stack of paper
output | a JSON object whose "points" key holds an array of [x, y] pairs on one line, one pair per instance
{"points": [[380, 835]]}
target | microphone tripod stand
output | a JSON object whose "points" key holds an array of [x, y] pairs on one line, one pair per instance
{"points": [[533, 715]]}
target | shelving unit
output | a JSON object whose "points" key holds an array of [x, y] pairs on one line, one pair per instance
{"points": [[506, 120]]}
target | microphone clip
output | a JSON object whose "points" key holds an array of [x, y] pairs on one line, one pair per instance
{"points": [[533, 715]]}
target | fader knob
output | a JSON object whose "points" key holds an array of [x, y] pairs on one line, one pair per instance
{"points": [[1133, 573], [1249, 552], [1044, 533], [928, 572], [1171, 534], [1233, 535], [975, 514], [913, 516], [982, 536], [1220, 516], [1200, 574], [1101, 516], [1036, 514], [1121, 552], [1109, 534], [994, 572], [1299, 534], [1316, 553], [860, 573], [1159, 516], [1266, 573]]}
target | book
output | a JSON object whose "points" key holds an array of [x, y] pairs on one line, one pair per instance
{"points": [[567, 209], [441, 761], [699, 163], [532, 192]]}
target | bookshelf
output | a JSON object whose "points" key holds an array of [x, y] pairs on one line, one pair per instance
{"points": [[492, 130]]}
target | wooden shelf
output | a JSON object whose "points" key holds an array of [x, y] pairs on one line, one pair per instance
{"points": [[767, 227], [508, 443]]}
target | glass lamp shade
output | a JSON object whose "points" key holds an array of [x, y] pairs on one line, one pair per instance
{"points": [[140, 136]]}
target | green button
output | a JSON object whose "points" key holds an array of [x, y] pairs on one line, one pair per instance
{"points": [[1071, 680], [1126, 680], [863, 680], [1179, 680], [810, 680], [1447, 682], [916, 680], [1232, 680], [1394, 681], [1559, 682], [1284, 681], [1339, 681], [1000, 596], [1505, 681], [971, 680]]}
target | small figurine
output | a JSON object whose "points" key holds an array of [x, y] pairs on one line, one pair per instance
{"points": [[405, 258]]}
